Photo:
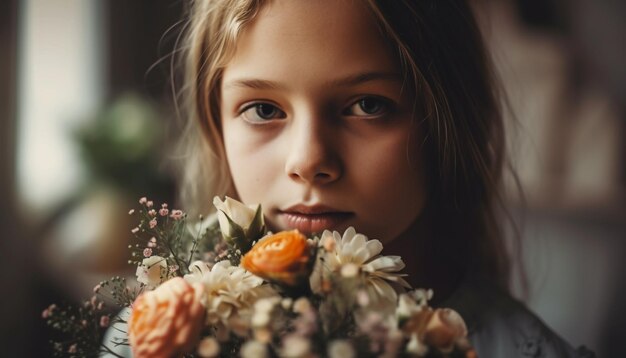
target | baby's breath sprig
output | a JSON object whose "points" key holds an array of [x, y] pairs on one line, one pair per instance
{"points": [[164, 233], [84, 325]]}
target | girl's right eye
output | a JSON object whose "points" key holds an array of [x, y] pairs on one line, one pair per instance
{"points": [[261, 112]]}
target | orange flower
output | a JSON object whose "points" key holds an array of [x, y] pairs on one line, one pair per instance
{"points": [[444, 329], [166, 322], [283, 257], [439, 328]]}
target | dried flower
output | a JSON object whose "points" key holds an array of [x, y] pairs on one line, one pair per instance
{"points": [[284, 258], [152, 331], [163, 212]]}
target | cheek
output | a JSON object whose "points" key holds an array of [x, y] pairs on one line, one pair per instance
{"points": [[394, 185], [252, 165]]}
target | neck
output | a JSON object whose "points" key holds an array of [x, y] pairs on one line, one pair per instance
{"points": [[427, 261]]}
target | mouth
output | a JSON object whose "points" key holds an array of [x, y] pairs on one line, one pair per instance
{"points": [[313, 219]]}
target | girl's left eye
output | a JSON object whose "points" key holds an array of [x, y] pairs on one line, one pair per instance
{"points": [[368, 107], [261, 112]]}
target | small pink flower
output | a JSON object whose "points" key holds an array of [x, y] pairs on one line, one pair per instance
{"points": [[93, 301], [164, 206], [104, 321], [152, 212], [131, 212], [153, 223], [150, 204], [152, 245], [147, 252], [173, 268], [97, 288], [48, 312], [163, 212], [176, 214], [100, 305], [143, 200], [135, 230], [73, 348]]}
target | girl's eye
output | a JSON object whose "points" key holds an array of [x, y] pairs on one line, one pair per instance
{"points": [[369, 107], [261, 112]]}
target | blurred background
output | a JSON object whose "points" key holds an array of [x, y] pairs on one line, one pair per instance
{"points": [[87, 126]]}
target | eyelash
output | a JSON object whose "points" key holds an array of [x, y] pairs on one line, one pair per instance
{"points": [[383, 107], [257, 106]]}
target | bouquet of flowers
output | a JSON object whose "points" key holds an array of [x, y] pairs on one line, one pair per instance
{"points": [[227, 287]]}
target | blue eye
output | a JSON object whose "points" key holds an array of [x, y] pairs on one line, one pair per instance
{"points": [[369, 107], [261, 112]]}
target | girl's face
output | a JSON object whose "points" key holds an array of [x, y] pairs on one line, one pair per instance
{"points": [[316, 125]]}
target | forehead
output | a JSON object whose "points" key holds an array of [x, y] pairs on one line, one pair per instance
{"points": [[313, 39]]}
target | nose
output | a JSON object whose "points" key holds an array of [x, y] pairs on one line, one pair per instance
{"points": [[312, 157]]}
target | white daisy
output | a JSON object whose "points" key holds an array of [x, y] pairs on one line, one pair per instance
{"points": [[339, 253]]}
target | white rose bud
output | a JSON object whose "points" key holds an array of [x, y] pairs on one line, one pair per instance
{"points": [[240, 224]]}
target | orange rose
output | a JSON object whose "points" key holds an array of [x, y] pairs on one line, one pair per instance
{"points": [[283, 257], [166, 322]]}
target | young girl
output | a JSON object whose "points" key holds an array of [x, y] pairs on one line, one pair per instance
{"points": [[381, 115]]}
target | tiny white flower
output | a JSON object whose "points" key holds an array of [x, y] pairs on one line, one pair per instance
{"points": [[209, 347], [151, 271], [253, 349], [295, 346], [416, 347], [340, 349], [260, 319]]}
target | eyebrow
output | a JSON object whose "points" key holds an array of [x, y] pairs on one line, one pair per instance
{"points": [[348, 81]]}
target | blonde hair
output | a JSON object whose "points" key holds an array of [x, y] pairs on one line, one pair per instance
{"points": [[441, 53]]}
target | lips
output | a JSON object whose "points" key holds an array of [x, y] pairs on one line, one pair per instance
{"points": [[312, 219]]}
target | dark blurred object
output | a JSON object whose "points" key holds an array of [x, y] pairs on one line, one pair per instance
{"points": [[125, 147], [16, 272], [595, 34], [124, 150], [542, 14], [142, 35]]}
